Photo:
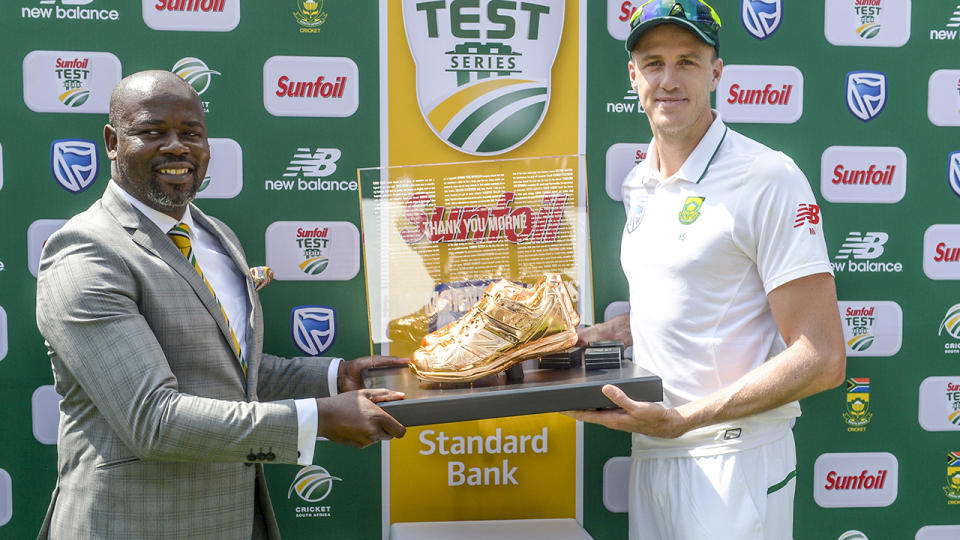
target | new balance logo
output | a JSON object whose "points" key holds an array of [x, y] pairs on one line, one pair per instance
{"points": [[317, 164], [807, 213], [863, 246]]}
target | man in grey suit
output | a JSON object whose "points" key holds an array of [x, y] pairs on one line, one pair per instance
{"points": [[170, 407]]}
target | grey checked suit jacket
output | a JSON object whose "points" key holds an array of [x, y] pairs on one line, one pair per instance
{"points": [[157, 419]]}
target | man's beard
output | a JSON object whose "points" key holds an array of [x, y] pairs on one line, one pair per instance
{"points": [[178, 199]]}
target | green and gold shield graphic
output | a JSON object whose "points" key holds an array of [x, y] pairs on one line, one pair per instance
{"points": [[483, 70], [691, 210]]}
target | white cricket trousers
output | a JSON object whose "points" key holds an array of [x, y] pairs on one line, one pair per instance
{"points": [[745, 495]]}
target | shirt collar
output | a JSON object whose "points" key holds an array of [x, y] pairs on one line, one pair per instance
{"points": [[161, 220], [697, 163]]}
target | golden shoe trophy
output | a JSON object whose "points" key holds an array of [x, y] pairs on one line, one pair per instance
{"points": [[510, 323]]}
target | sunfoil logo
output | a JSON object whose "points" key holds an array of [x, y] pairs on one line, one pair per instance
{"points": [[313, 250], [867, 23], [483, 75], [872, 328], [863, 174], [854, 480], [69, 81], [940, 404], [192, 15], [761, 94]]}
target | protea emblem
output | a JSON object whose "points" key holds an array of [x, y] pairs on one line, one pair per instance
{"points": [[483, 75]]}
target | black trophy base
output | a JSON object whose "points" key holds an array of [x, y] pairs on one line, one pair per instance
{"points": [[497, 396]]}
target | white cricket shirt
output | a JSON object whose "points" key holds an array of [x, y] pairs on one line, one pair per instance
{"points": [[700, 251]]}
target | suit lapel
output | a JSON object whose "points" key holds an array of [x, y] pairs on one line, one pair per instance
{"points": [[145, 233]]}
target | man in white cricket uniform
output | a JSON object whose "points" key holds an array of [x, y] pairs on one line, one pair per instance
{"points": [[732, 300]]}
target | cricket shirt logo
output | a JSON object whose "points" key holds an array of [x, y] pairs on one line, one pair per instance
{"points": [[74, 163], [952, 489], [857, 414], [691, 210], [636, 214], [483, 76], [866, 93], [761, 18]]}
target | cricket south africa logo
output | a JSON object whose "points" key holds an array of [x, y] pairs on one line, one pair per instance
{"points": [[310, 16], [74, 163], [312, 484], [857, 414], [313, 328], [691, 210], [951, 322], [761, 18], [866, 93], [195, 72], [952, 488], [483, 75]]}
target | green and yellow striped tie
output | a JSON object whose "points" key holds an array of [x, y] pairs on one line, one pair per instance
{"points": [[180, 234]]}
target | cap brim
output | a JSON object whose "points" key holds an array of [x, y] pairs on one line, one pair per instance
{"points": [[637, 32]]}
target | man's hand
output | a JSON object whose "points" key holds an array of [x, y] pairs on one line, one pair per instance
{"points": [[350, 374], [634, 416], [353, 419]]}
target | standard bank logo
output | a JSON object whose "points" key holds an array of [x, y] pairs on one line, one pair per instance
{"points": [[313, 250], [855, 480], [940, 404], [872, 328], [867, 23], [953, 172], [621, 158], [863, 174], [941, 251], [866, 93], [483, 79], [69, 81], [943, 97], [74, 163], [313, 328], [192, 15], [312, 483], [761, 18], [224, 178]]}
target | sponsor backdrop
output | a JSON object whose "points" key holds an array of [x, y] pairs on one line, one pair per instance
{"points": [[863, 94]]}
